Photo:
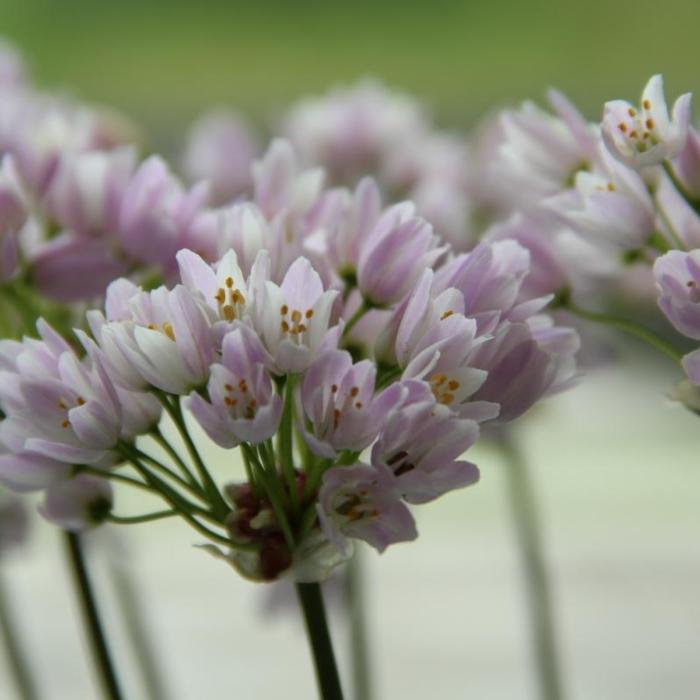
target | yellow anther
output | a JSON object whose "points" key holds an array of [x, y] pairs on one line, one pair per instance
{"points": [[65, 424], [309, 313], [296, 316], [229, 312], [284, 310], [646, 104], [229, 282], [220, 296], [453, 385], [446, 398], [168, 330], [446, 314]]}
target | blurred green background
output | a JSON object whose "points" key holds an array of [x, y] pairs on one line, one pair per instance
{"points": [[162, 62]]}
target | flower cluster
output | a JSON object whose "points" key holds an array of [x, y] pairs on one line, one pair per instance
{"points": [[350, 346], [336, 339]]}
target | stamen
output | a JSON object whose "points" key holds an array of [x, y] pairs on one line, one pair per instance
{"points": [[446, 314], [296, 316], [229, 282], [284, 310], [354, 391], [168, 330], [65, 424], [229, 312], [309, 313], [646, 104]]}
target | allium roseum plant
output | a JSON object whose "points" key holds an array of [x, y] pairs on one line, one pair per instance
{"points": [[350, 348]]}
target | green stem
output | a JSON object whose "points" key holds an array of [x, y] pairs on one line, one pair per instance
{"points": [[175, 456], [195, 490], [362, 309], [112, 476], [136, 519], [19, 668], [311, 602], [275, 494], [527, 530], [135, 619], [629, 327], [286, 452], [91, 617], [178, 503], [175, 412], [359, 639]]}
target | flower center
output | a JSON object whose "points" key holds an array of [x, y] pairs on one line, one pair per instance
{"points": [[230, 300]]}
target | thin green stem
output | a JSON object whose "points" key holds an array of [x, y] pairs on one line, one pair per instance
{"points": [[19, 668], [136, 519], [362, 309], [286, 450], [274, 492], [91, 617], [175, 456], [629, 327], [175, 412], [195, 490], [178, 503], [311, 602], [527, 531], [112, 476], [359, 639]]}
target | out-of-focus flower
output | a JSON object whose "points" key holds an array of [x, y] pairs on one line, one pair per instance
{"points": [[394, 254], [643, 136], [353, 131], [13, 216], [157, 213], [220, 149], [677, 276], [78, 503], [686, 165]]}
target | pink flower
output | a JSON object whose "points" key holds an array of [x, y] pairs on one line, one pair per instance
{"points": [[78, 503], [293, 319], [646, 136], [157, 214], [364, 503], [282, 185], [242, 405], [677, 276], [338, 401], [221, 148], [85, 194], [420, 443], [394, 254], [160, 338]]}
